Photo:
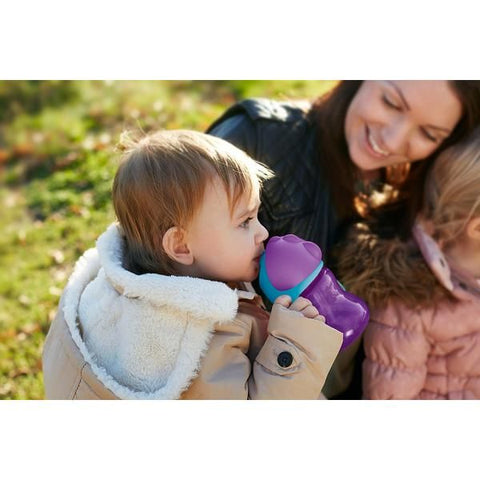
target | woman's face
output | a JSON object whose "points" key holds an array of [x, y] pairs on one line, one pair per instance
{"points": [[392, 122]]}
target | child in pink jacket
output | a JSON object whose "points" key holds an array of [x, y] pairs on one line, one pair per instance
{"points": [[423, 340]]}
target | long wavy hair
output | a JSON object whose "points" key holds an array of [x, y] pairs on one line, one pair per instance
{"points": [[404, 183]]}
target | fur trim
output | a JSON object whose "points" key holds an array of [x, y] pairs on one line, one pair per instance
{"points": [[195, 296], [378, 269], [157, 327]]}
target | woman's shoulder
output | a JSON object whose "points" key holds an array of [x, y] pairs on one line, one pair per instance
{"points": [[276, 133], [254, 109], [259, 125]]}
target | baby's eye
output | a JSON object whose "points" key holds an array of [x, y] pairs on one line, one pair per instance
{"points": [[246, 222]]}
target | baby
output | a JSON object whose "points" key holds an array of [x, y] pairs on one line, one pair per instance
{"points": [[162, 307]]}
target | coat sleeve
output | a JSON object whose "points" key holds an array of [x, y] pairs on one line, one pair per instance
{"points": [[292, 363], [396, 354]]}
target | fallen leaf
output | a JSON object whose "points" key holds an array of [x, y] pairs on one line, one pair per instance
{"points": [[7, 334], [51, 315], [22, 237], [57, 256], [23, 149], [55, 291], [24, 300], [21, 336], [18, 372], [6, 388], [4, 156], [30, 328]]}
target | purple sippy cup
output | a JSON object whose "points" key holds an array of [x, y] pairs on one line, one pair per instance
{"points": [[294, 267]]}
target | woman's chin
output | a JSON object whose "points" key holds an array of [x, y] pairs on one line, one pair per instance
{"points": [[368, 165]]}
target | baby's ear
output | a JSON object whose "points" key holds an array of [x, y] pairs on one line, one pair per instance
{"points": [[473, 228], [175, 247]]}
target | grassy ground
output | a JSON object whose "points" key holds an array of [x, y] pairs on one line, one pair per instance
{"points": [[57, 161]]}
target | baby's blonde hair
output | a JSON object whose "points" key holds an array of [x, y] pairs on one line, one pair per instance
{"points": [[452, 189], [161, 183]]}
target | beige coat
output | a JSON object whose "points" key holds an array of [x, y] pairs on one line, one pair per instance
{"points": [[120, 335]]}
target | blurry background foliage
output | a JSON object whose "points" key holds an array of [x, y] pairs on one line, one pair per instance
{"points": [[57, 162]]}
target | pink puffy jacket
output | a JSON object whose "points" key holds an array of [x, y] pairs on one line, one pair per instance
{"points": [[431, 353]]}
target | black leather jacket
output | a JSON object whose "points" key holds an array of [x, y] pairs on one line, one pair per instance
{"points": [[297, 199], [279, 134]]}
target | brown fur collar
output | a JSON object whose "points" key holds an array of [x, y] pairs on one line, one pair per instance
{"points": [[378, 269]]}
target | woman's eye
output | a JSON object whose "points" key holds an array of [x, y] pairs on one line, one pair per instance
{"points": [[245, 223], [429, 136], [389, 103]]}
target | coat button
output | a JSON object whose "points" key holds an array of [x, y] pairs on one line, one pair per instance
{"points": [[285, 359]]}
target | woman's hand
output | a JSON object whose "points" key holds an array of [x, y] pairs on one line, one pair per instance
{"points": [[301, 305]]}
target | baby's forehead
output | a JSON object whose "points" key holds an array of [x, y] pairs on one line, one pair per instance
{"points": [[252, 198], [247, 203], [233, 200], [245, 193]]}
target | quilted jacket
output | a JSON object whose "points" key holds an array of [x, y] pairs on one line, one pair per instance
{"points": [[426, 352]]}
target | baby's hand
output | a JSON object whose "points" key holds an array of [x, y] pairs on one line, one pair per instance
{"points": [[301, 305]]}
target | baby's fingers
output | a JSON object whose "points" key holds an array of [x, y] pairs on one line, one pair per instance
{"points": [[283, 300], [305, 307], [300, 304], [310, 312]]}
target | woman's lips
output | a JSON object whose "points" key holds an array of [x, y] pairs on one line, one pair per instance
{"points": [[372, 146]]}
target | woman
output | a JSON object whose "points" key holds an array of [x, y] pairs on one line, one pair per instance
{"points": [[361, 149]]}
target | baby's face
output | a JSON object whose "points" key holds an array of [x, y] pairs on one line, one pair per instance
{"points": [[226, 247]]}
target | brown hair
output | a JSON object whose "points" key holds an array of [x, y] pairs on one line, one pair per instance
{"points": [[404, 201], [160, 183], [328, 114]]}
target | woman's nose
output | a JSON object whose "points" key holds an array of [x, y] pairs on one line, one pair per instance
{"points": [[396, 137]]}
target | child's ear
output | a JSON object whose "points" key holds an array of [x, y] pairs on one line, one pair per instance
{"points": [[174, 244], [473, 228]]}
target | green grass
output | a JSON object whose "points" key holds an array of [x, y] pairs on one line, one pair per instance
{"points": [[57, 162]]}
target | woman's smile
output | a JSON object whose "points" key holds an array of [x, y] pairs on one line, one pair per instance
{"points": [[388, 123], [373, 146]]}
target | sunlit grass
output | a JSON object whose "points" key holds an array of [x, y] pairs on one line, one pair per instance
{"points": [[57, 161]]}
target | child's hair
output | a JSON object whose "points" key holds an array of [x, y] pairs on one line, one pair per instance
{"points": [[160, 183], [452, 189]]}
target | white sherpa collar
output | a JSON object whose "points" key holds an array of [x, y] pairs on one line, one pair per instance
{"points": [[205, 302], [199, 297]]}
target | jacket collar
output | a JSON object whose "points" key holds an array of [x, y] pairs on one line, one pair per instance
{"points": [[198, 304], [185, 293]]}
